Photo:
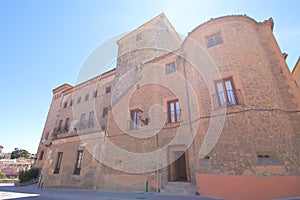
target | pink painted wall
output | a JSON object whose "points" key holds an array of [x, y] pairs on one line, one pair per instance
{"points": [[248, 187]]}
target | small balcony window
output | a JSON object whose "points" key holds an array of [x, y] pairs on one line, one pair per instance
{"points": [[226, 94]]}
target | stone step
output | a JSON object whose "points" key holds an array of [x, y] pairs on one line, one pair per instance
{"points": [[185, 188]]}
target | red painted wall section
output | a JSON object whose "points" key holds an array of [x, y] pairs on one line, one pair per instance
{"points": [[248, 187]]}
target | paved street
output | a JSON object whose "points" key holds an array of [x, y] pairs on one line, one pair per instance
{"points": [[32, 193]]}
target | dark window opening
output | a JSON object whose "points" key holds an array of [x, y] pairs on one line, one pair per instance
{"points": [[58, 162], [41, 155], [108, 89], [95, 94], [105, 112]]}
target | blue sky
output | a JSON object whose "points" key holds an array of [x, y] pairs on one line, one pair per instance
{"points": [[44, 44]]}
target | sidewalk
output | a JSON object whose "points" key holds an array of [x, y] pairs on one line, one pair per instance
{"points": [[71, 194]]}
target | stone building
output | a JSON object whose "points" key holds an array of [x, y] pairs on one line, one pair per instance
{"points": [[296, 72], [212, 113]]}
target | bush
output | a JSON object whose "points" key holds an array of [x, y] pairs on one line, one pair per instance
{"points": [[28, 175], [2, 175]]}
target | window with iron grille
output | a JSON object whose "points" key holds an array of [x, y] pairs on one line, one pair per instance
{"points": [[78, 162], [174, 111]]}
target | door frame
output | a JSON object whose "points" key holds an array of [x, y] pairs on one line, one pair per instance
{"points": [[171, 159]]}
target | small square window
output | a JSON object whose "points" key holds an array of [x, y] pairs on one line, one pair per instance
{"points": [[170, 68], [214, 40], [108, 89]]}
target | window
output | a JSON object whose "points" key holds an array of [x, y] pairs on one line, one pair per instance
{"points": [[103, 128], [65, 104], [59, 125], [214, 40], [105, 112], [87, 97], [138, 37], [95, 94], [67, 124], [79, 100], [108, 89], [82, 119], [267, 158], [170, 68], [58, 162], [91, 118], [174, 111], [78, 162], [41, 155], [71, 103], [134, 122], [226, 92]]}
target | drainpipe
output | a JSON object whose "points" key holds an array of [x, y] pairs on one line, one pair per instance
{"points": [[187, 94]]}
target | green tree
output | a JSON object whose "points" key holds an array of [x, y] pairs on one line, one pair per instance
{"points": [[17, 153], [2, 175], [28, 175]]}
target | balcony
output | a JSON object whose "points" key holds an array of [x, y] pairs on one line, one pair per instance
{"points": [[227, 98]]}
